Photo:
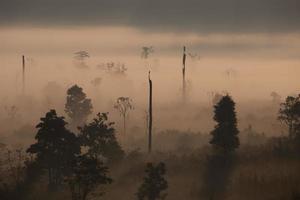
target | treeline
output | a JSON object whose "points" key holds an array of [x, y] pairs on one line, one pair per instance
{"points": [[78, 156]]}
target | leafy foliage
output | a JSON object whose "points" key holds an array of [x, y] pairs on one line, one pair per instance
{"points": [[56, 147], [289, 113], [87, 174], [154, 183], [100, 140], [225, 132]]}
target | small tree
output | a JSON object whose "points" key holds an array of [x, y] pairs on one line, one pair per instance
{"points": [[78, 107], [80, 58], [123, 105], [146, 52], [225, 134], [55, 148], [289, 114], [99, 138], [154, 183], [87, 174]]}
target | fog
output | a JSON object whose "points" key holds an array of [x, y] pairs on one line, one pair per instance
{"points": [[247, 66]]}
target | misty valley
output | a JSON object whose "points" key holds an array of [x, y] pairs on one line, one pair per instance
{"points": [[149, 100]]}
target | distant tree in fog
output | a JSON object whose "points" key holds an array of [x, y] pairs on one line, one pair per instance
{"points": [[124, 105], [55, 147], [154, 183], [225, 134], [87, 174], [80, 58], [289, 114], [100, 140], [276, 98], [230, 73], [113, 68], [77, 107], [147, 51]]}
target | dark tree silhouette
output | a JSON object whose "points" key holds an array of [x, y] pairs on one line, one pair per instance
{"points": [[87, 174], [225, 134], [78, 107], [55, 148], [289, 114], [100, 140], [154, 183]]}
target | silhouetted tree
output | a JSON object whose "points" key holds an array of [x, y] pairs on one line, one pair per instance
{"points": [[78, 107], [225, 134], [289, 114], [154, 183], [100, 140], [87, 174], [123, 105], [55, 148]]}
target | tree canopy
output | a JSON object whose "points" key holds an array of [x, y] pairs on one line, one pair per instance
{"points": [[289, 113], [55, 148], [154, 183], [78, 107], [225, 134], [100, 140], [87, 174]]}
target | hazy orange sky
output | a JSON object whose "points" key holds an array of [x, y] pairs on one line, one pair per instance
{"points": [[256, 42]]}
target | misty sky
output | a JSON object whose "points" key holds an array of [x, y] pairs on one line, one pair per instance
{"points": [[254, 37]]}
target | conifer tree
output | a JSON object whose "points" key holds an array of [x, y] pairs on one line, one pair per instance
{"points": [[225, 134]]}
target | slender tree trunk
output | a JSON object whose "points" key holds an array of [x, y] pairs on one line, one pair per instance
{"points": [[150, 115], [23, 74], [183, 76]]}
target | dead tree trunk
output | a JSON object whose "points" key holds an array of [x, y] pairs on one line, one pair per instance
{"points": [[150, 115], [23, 74], [183, 76]]}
